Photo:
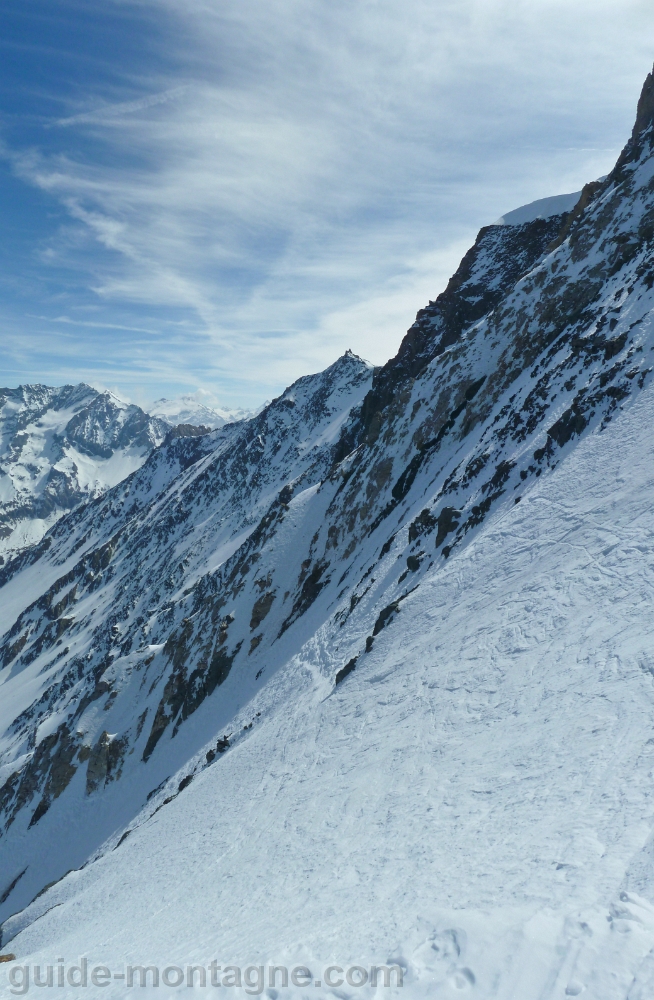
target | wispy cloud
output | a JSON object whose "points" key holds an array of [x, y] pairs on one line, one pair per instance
{"points": [[110, 113], [94, 325], [304, 175]]}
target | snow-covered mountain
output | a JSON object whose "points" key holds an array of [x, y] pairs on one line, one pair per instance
{"points": [[62, 446], [366, 679], [200, 409]]}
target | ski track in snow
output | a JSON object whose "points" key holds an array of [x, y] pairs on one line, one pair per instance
{"points": [[474, 801]]}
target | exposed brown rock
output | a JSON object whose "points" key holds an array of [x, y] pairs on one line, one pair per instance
{"points": [[105, 761], [261, 608]]}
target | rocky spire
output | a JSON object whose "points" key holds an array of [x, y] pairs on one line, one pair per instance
{"points": [[645, 110], [636, 144]]}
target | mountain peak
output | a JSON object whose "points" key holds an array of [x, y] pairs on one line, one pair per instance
{"points": [[645, 110], [349, 356]]}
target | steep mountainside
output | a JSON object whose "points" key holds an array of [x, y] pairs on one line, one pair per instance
{"points": [[472, 802], [60, 447], [197, 621]]}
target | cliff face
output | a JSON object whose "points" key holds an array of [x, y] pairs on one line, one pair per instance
{"points": [[645, 110], [137, 635], [500, 257]]}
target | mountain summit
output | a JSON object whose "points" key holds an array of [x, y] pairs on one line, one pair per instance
{"points": [[366, 680]]}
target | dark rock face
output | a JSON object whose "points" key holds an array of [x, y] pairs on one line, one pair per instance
{"points": [[641, 133], [447, 522], [500, 256], [104, 761], [645, 109], [346, 670], [49, 770], [261, 608]]}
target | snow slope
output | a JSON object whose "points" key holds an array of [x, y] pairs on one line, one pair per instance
{"points": [[473, 801]]}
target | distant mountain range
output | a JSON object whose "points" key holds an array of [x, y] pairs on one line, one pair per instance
{"points": [[197, 408]]}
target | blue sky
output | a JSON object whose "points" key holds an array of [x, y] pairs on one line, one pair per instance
{"points": [[227, 194]]}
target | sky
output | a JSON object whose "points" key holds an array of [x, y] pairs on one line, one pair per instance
{"points": [[225, 195]]}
